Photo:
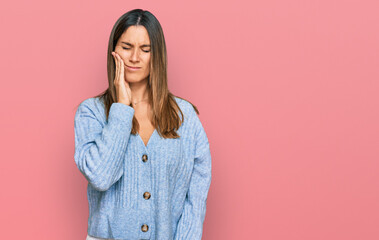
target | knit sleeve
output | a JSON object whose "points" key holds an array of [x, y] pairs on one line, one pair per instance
{"points": [[100, 149], [190, 225]]}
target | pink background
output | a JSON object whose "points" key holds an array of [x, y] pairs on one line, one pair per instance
{"points": [[287, 93]]}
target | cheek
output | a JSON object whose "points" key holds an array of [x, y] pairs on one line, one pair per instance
{"points": [[147, 61], [124, 56]]}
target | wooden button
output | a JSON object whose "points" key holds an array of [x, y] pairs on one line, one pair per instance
{"points": [[144, 228], [146, 195], [144, 158]]}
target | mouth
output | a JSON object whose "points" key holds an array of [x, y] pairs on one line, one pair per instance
{"points": [[132, 68]]}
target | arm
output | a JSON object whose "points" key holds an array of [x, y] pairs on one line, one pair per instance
{"points": [[190, 225], [100, 151]]}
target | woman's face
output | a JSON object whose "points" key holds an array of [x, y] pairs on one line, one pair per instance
{"points": [[134, 48]]}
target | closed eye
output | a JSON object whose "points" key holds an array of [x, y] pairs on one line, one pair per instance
{"points": [[142, 50]]}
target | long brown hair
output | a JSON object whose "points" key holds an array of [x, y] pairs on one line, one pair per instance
{"points": [[165, 110]]}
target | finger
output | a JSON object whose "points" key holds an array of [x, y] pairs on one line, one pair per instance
{"points": [[115, 62], [117, 68], [122, 68]]}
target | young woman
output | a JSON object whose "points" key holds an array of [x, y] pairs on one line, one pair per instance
{"points": [[143, 151]]}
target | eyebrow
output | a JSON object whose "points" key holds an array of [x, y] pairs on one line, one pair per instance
{"points": [[144, 45]]}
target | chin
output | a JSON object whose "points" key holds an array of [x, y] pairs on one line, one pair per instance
{"points": [[134, 80]]}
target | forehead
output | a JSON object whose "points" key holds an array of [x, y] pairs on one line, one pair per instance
{"points": [[135, 35]]}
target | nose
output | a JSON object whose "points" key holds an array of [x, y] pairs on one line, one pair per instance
{"points": [[135, 55]]}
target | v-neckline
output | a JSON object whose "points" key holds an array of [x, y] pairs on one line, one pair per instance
{"points": [[148, 141]]}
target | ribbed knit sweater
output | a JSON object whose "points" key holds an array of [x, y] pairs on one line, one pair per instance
{"points": [[137, 191]]}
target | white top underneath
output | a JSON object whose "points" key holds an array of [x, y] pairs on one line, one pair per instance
{"points": [[94, 238]]}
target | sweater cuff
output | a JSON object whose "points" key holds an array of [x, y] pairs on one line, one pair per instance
{"points": [[121, 113]]}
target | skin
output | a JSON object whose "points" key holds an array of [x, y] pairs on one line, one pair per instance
{"points": [[131, 86], [133, 54]]}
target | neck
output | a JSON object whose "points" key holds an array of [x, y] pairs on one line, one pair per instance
{"points": [[139, 90]]}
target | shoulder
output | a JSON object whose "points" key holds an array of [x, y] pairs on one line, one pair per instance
{"points": [[191, 119], [195, 126], [93, 106], [85, 104], [186, 107]]}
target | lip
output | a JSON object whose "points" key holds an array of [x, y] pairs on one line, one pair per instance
{"points": [[132, 68]]}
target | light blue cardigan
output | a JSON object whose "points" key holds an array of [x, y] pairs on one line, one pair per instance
{"points": [[176, 173]]}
